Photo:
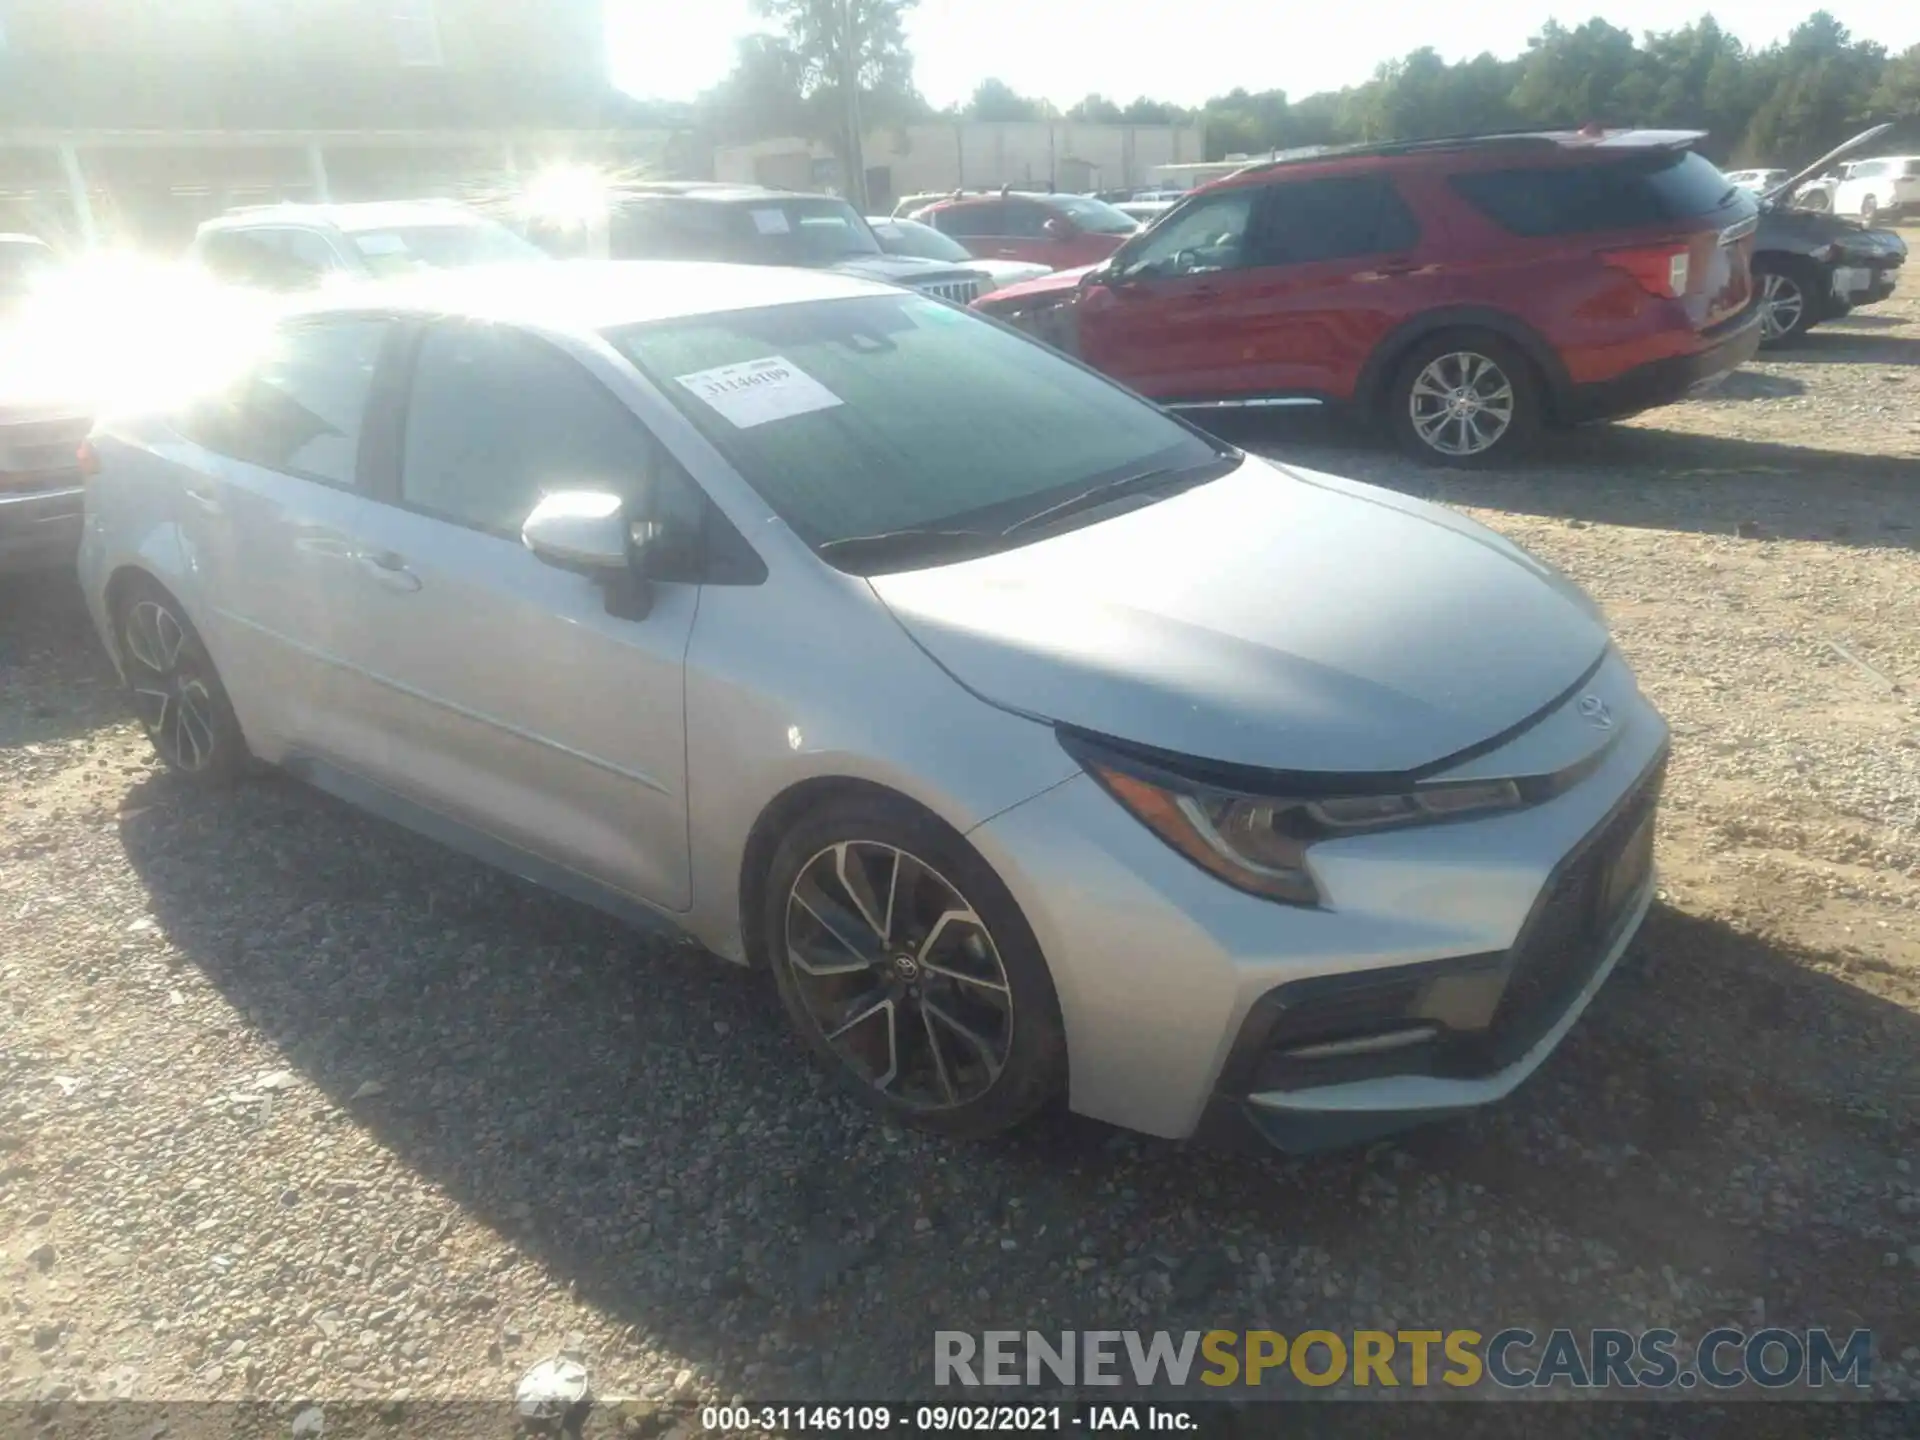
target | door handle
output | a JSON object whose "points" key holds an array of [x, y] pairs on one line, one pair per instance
{"points": [[1389, 271], [389, 569]]}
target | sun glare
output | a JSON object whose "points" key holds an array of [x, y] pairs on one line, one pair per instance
{"points": [[119, 333]]}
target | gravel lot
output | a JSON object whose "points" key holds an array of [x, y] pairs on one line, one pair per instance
{"points": [[295, 1105]]}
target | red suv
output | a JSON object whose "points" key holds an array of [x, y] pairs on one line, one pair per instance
{"points": [[1467, 291], [1056, 230]]}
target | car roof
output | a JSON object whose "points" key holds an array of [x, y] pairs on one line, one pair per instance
{"points": [[714, 191], [363, 215], [585, 296], [1510, 144]]}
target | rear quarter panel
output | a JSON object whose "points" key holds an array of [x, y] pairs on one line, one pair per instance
{"points": [[133, 524], [1596, 319]]}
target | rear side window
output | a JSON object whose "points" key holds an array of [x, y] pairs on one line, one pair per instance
{"points": [[299, 411], [1649, 189], [1335, 218], [968, 220]]}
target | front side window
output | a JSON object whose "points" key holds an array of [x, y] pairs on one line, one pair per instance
{"points": [[309, 255], [300, 409], [496, 419], [1207, 236], [1024, 220], [871, 416]]}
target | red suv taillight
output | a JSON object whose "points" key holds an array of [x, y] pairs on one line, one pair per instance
{"points": [[88, 460], [1661, 269]]}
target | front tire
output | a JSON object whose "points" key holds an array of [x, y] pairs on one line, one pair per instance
{"points": [[909, 971], [177, 694], [1787, 300], [1468, 399]]}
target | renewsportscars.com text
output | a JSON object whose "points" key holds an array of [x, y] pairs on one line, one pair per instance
{"points": [[1511, 1358]]}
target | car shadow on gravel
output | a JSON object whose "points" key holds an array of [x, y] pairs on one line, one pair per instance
{"points": [[55, 681], [1635, 475], [637, 1119], [1838, 346]]}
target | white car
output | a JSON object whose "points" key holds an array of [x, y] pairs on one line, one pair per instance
{"points": [[923, 242], [1759, 181], [1882, 188]]}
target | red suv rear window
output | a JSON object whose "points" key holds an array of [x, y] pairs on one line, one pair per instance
{"points": [[1646, 189]]}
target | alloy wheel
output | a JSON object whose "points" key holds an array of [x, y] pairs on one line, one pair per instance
{"points": [[169, 695], [1782, 303], [900, 975], [1461, 403]]}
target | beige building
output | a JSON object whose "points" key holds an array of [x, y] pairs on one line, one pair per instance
{"points": [[973, 155]]}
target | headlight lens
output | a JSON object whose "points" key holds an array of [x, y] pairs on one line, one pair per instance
{"points": [[1259, 844]]}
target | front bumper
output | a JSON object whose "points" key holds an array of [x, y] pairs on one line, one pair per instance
{"points": [[1662, 382], [39, 527], [1865, 280], [1191, 1008], [1309, 1072]]}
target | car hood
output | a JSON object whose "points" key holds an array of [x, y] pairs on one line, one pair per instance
{"points": [[1054, 286], [1807, 230], [903, 269], [1276, 618], [1004, 273], [1865, 137]]}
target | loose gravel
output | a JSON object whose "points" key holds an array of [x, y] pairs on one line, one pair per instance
{"points": [[294, 1105]]}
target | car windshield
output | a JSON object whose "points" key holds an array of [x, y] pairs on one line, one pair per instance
{"points": [[910, 237], [803, 231], [882, 414], [1094, 215], [402, 249]]}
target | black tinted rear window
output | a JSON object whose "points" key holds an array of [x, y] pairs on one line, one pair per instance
{"points": [[1648, 189]]}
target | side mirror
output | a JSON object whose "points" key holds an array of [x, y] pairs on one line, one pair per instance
{"points": [[589, 533], [1055, 228]]}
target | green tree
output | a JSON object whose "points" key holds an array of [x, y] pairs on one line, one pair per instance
{"points": [[996, 100], [853, 70], [1095, 110], [1570, 77], [1821, 82], [1898, 93]]}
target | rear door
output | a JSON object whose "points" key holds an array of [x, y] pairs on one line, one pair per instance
{"points": [[499, 692], [270, 473]]}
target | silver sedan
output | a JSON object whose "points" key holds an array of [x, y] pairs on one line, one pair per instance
{"points": [[1037, 745]]}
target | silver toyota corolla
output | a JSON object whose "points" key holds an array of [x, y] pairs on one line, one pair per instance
{"points": [[1037, 744]]}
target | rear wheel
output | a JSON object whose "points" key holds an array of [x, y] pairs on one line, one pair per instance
{"points": [[177, 695], [909, 970], [1467, 398], [1787, 292]]}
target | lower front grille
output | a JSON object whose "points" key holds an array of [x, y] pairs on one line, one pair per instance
{"points": [[1572, 927], [954, 292], [1467, 1017]]}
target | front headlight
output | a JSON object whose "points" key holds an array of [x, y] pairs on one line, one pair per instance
{"points": [[1259, 843]]}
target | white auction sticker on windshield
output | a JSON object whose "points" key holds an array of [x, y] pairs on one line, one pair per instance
{"points": [[756, 391], [771, 222]]}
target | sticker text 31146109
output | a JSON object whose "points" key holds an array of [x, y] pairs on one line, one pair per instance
{"points": [[756, 391]]}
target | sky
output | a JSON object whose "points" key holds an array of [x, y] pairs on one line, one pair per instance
{"points": [[1186, 51]]}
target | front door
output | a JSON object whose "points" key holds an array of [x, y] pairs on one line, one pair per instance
{"points": [[501, 693], [1170, 323]]}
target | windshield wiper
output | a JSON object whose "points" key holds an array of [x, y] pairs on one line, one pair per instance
{"points": [[1140, 484], [903, 544]]}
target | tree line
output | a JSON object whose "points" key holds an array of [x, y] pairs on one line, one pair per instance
{"points": [[1784, 104]]}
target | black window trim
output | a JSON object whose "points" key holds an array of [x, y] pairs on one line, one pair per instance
{"points": [[364, 451], [726, 557]]}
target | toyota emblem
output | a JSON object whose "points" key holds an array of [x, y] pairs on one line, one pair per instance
{"points": [[1595, 712]]}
